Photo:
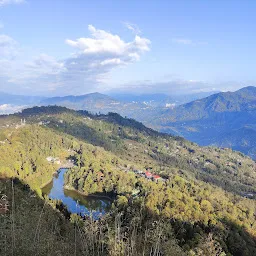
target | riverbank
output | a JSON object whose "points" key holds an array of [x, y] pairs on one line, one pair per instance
{"points": [[53, 174], [47, 183], [75, 201], [88, 195]]}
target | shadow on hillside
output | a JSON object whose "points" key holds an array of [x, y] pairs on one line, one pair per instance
{"points": [[98, 138], [31, 227], [232, 238], [89, 135], [39, 228]]}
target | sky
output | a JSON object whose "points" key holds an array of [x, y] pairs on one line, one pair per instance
{"points": [[65, 47]]}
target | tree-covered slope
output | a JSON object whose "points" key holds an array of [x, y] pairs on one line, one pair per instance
{"points": [[30, 226], [209, 120], [241, 100], [243, 139], [87, 101], [199, 207], [132, 141]]}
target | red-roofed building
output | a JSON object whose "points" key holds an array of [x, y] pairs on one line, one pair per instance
{"points": [[148, 175], [156, 177]]}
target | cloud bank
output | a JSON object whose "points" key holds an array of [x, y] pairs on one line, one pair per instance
{"points": [[178, 87], [8, 47], [93, 60]]}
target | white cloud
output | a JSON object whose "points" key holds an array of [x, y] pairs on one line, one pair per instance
{"points": [[141, 44], [8, 109], [3, 107], [187, 41], [103, 42], [6, 2], [46, 64], [9, 51], [6, 40], [133, 27], [95, 57], [98, 54], [8, 47], [114, 61]]}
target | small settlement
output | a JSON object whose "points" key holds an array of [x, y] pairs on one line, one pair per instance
{"points": [[64, 163], [54, 160], [149, 175], [146, 174]]}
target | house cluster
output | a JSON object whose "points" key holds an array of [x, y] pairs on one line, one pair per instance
{"points": [[22, 123], [148, 175], [54, 160], [43, 122], [145, 174], [87, 118]]}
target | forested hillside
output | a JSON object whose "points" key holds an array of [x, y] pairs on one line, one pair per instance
{"points": [[225, 119], [200, 206]]}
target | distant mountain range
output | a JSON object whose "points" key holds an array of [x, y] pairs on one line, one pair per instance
{"points": [[10, 103], [159, 99], [101, 103], [92, 101], [226, 119], [6, 98], [140, 107]]}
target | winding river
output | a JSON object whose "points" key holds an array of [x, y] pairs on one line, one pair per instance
{"points": [[94, 206]]}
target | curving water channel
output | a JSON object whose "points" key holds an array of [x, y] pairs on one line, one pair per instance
{"points": [[94, 206]]}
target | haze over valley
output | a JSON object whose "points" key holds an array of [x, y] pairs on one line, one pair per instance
{"points": [[229, 117]]}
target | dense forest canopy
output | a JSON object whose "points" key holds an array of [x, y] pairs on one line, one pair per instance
{"points": [[200, 204]]}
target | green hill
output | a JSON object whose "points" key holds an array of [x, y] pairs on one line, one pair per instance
{"points": [[212, 120], [199, 207]]}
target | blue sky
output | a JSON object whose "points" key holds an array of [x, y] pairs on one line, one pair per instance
{"points": [[74, 46]]}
